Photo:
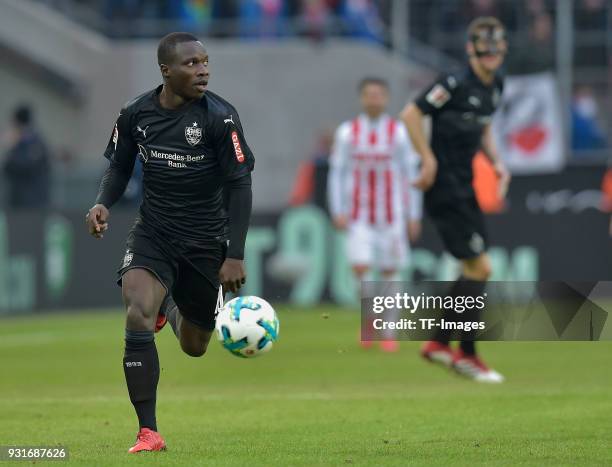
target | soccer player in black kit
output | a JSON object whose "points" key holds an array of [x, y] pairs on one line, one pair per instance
{"points": [[188, 238], [461, 106]]}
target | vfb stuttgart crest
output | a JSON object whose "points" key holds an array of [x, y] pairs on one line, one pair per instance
{"points": [[193, 134]]}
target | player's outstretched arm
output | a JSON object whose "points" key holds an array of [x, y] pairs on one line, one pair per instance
{"points": [[240, 200], [112, 186], [121, 152], [413, 119], [490, 150]]}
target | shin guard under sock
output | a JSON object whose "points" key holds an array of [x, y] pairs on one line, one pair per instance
{"points": [[141, 368]]}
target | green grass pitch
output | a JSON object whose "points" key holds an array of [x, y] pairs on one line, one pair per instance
{"points": [[316, 399]]}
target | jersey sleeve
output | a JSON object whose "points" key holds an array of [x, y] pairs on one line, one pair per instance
{"points": [[338, 167], [234, 156], [121, 149], [436, 96], [409, 162]]}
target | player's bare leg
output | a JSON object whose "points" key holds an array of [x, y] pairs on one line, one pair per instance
{"points": [[193, 339], [477, 269], [142, 295], [390, 344], [360, 271]]}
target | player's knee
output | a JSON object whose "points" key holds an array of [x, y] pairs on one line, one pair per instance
{"points": [[486, 275], [140, 312], [480, 271], [193, 349], [139, 316], [484, 270]]}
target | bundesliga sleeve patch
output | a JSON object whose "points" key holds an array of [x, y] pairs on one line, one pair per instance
{"points": [[438, 96], [237, 148]]}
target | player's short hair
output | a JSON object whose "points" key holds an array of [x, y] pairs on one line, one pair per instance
{"points": [[484, 22], [167, 45], [372, 80]]}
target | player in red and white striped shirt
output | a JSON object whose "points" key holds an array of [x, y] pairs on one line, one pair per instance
{"points": [[370, 194]]}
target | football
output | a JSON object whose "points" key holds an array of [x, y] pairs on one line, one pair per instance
{"points": [[247, 326]]}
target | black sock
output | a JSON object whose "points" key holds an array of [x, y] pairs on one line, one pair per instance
{"points": [[444, 335], [141, 368], [471, 288], [468, 347]]}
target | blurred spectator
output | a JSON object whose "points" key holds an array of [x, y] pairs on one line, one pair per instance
{"points": [[224, 13], [587, 135], [315, 17], [362, 20], [536, 7], [536, 53], [591, 23], [311, 178], [477, 8], [452, 17], [193, 15], [420, 14], [26, 165], [231, 18], [261, 18]]}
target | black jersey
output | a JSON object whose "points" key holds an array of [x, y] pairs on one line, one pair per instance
{"points": [[187, 155], [460, 106]]}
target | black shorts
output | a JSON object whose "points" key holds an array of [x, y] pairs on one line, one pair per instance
{"points": [[461, 225], [190, 274]]}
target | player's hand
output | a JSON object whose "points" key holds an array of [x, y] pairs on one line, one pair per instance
{"points": [[414, 231], [429, 167], [232, 275], [341, 222], [504, 178], [97, 220]]}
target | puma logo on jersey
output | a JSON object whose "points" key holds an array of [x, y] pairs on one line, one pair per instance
{"points": [[144, 132], [229, 120]]}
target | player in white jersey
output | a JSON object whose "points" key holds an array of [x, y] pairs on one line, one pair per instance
{"points": [[370, 191]]}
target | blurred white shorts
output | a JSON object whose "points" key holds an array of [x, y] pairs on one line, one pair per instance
{"points": [[379, 247]]}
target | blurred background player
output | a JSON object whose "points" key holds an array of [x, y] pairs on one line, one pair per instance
{"points": [[461, 106], [369, 190]]}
